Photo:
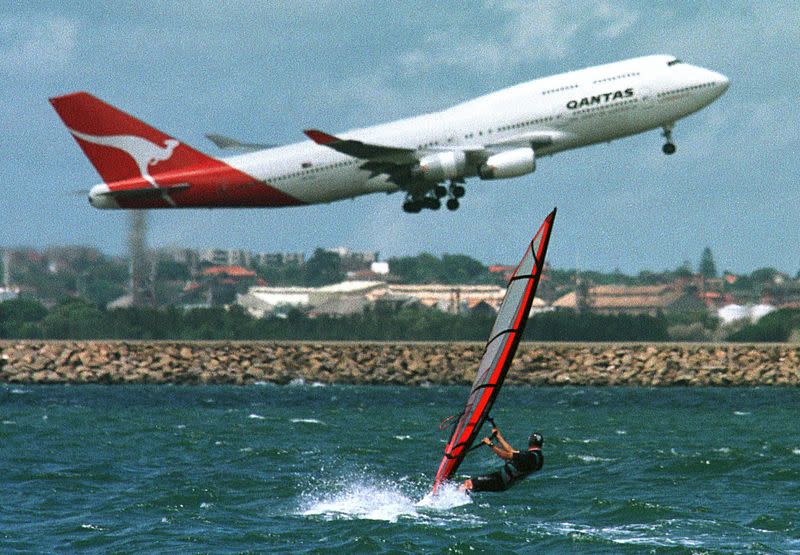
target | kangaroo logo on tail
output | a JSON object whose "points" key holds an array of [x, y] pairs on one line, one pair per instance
{"points": [[145, 153]]}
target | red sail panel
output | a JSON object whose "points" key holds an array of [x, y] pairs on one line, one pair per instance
{"points": [[499, 352]]}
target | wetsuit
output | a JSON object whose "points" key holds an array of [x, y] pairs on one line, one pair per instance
{"points": [[521, 464]]}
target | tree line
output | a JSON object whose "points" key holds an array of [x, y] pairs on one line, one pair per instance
{"points": [[25, 318]]}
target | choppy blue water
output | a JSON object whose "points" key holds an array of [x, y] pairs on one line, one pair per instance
{"points": [[306, 469]]}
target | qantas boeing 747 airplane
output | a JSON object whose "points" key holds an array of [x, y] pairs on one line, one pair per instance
{"points": [[428, 157]]}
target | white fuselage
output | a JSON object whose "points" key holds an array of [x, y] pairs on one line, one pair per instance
{"points": [[546, 115], [662, 94]]}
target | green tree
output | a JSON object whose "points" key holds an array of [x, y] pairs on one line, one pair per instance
{"points": [[19, 318], [172, 270], [707, 267], [323, 268], [764, 275], [459, 268], [684, 270], [75, 319], [776, 326]]}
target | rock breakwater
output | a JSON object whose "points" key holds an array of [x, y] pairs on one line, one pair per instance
{"points": [[241, 363]]}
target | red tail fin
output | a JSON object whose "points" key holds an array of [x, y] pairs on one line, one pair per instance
{"points": [[120, 146]]}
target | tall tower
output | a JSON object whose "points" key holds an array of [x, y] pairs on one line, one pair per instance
{"points": [[7, 269], [140, 284]]}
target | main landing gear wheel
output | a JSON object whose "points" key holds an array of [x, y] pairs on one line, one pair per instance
{"points": [[457, 190], [412, 206], [432, 203], [452, 204], [669, 146], [440, 191]]}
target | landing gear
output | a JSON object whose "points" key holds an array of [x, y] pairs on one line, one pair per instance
{"points": [[412, 206], [669, 146], [432, 198], [415, 204], [456, 189], [432, 203]]}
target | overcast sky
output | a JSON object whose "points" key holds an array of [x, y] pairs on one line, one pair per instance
{"points": [[262, 72]]}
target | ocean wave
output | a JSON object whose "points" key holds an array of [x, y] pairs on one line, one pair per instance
{"points": [[361, 501], [255, 416], [366, 498], [589, 458], [306, 421], [654, 535]]}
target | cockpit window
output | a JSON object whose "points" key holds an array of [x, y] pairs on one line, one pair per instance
{"points": [[673, 62]]}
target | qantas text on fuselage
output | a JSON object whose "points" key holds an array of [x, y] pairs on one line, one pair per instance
{"points": [[428, 157]]}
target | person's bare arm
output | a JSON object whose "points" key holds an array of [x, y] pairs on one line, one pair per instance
{"points": [[502, 441], [499, 450]]}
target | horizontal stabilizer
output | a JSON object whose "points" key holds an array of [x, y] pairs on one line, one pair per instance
{"points": [[145, 192], [227, 143]]}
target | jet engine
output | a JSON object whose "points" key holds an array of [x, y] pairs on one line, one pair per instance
{"points": [[442, 166], [509, 163]]}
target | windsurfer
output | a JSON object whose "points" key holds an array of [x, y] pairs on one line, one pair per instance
{"points": [[518, 463]]}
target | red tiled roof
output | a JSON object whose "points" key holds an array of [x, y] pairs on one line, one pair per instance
{"points": [[230, 271]]}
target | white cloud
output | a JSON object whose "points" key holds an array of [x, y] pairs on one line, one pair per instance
{"points": [[528, 32], [37, 44]]}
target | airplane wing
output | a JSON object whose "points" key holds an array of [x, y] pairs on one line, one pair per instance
{"points": [[533, 139], [397, 162], [226, 143], [366, 151]]}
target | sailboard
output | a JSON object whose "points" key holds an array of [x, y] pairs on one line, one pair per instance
{"points": [[499, 352]]}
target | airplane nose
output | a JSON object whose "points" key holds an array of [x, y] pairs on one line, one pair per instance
{"points": [[721, 82]]}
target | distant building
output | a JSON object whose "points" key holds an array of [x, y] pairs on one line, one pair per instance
{"points": [[621, 299], [226, 257], [279, 258], [225, 282], [343, 298], [380, 268], [449, 298], [261, 301], [8, 293], [783, 294], [734, 312], [354, 261], [188, 257], [504, 272]]}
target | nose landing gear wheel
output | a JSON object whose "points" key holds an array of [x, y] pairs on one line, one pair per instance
{"points": [[669, 146]]}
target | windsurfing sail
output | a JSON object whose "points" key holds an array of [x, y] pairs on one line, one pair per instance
{"points": [[499, 352]]}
